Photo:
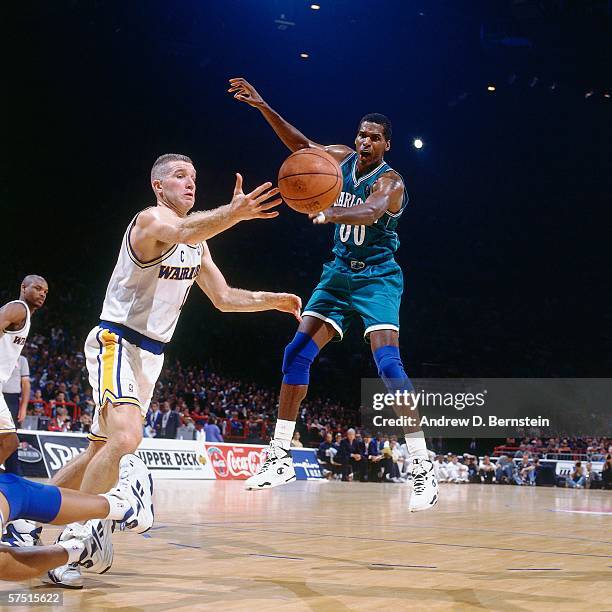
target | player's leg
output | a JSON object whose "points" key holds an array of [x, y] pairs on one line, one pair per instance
{"points": [[122, 377], [376, 296], [312, 335], [324, 317], [71, 475], [385, 350], [20, 498], [135, 485], [123, 426], [9, 442]]}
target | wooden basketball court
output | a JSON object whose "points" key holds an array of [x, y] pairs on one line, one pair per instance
{"points": [[353, 546]]}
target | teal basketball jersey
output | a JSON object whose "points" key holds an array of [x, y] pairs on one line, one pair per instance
{"points": [[370, 244]]}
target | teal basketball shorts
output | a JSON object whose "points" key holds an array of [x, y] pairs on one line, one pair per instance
{"points": [[373, 293]]}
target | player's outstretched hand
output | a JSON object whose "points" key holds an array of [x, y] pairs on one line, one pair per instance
{"points": [[245, 92], [254, 205], [287, 302]]}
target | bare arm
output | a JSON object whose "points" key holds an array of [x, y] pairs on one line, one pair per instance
{"points": [[159, 225], [24, 563], [387, 194], [229, 299], [12, 315], [290, 135]]}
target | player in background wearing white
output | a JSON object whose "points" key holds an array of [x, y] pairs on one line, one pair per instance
{"points": [[24, 499], [14, 328], [162, 254]]}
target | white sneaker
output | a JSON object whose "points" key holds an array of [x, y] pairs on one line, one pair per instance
{"points": [[424, 485], [135, 486], [276, 470], [67, 576], [97, 557], [22, 532]]}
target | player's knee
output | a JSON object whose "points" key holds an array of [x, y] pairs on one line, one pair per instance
{"points": [[123, 442], [298, 357], [30, 500], [391, 368]]}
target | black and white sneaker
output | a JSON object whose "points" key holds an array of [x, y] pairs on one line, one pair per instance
{"points": [[135, 486], [21, 532], [97, 556], [276, 470], [424, 485]]}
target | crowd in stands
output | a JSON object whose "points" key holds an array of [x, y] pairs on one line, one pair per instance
{"points": [[196, 402]]}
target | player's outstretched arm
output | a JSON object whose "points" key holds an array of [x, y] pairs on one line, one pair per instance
{"points": [[387, 194], [291, 136], [229, 299], [160, 224], [12, 314]]}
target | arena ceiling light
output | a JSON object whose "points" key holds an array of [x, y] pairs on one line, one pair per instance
{"points": [[491, 88], [418, 143], [315, 7], [304, 55]]}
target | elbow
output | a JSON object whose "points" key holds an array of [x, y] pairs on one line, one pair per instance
{"points": [[221, 303]]}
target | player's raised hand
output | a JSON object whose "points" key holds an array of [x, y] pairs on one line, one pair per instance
{"points": [[245, 92], [254, 205], [287, 302]]}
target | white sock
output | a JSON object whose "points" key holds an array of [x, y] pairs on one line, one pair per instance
{"points": [[74, 548], [283, 432], [415, 442], [118, 507]]}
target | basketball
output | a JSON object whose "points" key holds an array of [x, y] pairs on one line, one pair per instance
{"points": [[310, 180]]}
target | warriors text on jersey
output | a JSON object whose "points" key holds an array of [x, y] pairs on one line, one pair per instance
{"points": [[369, 244], [148, 296], [11, 345]]}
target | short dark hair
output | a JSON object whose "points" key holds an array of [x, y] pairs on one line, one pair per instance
{"points": [[381, 120], [32, 278], [157, 171]]}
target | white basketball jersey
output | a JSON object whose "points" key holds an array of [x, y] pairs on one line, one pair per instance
{"points": [[11, 345], [148, 296]]}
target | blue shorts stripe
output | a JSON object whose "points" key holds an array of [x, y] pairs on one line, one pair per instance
{"points": [[119, 366]]}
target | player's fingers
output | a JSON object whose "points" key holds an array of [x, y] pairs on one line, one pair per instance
{"points": [[238, 187], [265, 215], [236, 80], [265, 196], [259, 190], [269, 205]]}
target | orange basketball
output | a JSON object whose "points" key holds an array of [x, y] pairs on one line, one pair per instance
{"points": [[310, 180]]}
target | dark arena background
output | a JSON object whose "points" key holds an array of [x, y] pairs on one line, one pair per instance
{"points": [[502, 131]]}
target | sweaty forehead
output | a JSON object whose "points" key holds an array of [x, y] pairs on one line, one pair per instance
{"points": [[371, 128]]}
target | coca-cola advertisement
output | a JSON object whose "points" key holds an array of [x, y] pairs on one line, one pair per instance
{"points": [[232, 462]]}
